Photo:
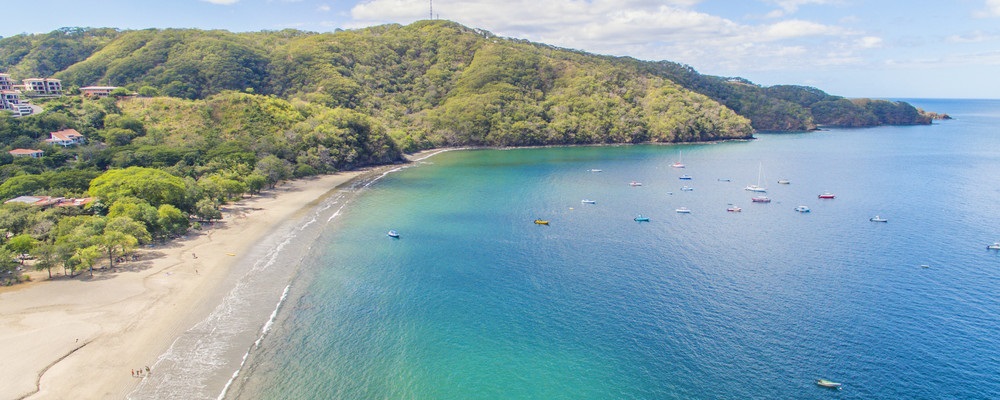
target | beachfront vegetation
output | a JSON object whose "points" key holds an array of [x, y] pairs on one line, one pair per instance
{"points": [[223, 115]]}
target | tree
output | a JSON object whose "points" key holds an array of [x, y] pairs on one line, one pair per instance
{"points": [[154, 186], [84, 258], [8, 266], [171, 220], [46, 256], [21, 245], [114, 243], [207, 209], [136, 210], [129, 227], [255, 182], [273, 169]]}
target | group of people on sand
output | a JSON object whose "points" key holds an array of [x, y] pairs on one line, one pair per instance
{"points": [[138, 373]]}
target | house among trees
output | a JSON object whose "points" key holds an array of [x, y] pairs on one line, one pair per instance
{"points": [[97, 91], [43, 86], [66, 138], [26, 153]]}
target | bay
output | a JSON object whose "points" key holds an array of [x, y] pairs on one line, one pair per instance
{"points": [[474, 300]]}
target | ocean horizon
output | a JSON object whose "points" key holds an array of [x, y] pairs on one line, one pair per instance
{"points": [[475, 300]]}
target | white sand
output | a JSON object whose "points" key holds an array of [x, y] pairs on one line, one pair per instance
{"points": [[79, 338]]}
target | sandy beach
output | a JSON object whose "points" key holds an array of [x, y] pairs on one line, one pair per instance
{"points": [[82, 337]]}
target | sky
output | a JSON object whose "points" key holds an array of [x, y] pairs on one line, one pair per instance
{"points": [[852, 48]]}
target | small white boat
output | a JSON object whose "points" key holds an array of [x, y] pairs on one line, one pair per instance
{"points": [[634, 183], [878, 219], [827, 195], [784, 181], [588, 201], [733, 208], [683, 210], [595, 170], [802, 209], [994, 246], [685, 177], [687, 188], [828, 384], [761, 199], [393, 234]]}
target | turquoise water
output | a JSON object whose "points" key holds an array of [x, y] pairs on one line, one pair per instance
{"points": [[476, 301]]}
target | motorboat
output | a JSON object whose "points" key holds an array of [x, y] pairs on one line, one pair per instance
{"points": [[724, 180], [828, 384], [393, 234], [634, 183], [784, 181], [595, 170], [687, 188], [588, 201], [734, 209], [640, 218], [683, 210], [761, 199], [994, 246], [878, 219], [827, 195], [541, 221], [802, 209], [685, 177]]}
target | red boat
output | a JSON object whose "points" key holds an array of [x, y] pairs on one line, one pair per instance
{"points": [[827, 195]]}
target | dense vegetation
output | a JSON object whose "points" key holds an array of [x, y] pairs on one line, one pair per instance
{"points": [[222, 115]]}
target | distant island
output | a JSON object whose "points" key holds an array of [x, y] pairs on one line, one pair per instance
{"points": [[196, 118]]}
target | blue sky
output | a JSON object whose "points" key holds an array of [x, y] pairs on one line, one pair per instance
{"points": [[854, 48]]}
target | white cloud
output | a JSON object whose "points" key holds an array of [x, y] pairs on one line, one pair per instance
{"points": [[870, 42], [971, 37], [222, 2], [992, 9], [645, 29], [323, 8], [798, 28]]}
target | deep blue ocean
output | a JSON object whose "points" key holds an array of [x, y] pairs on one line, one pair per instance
{"points": [[475, 301]]}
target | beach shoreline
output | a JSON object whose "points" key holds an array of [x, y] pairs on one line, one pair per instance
{"points": [[84, 337]]}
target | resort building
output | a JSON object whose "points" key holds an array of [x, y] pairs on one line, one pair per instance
{"points": [[97, 91], [43, 86], [48, 201], [66, 138], [11, 100], [26, 153], [5, 83]]}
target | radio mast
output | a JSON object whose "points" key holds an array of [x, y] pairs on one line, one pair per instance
{"points": [[432, 9]]}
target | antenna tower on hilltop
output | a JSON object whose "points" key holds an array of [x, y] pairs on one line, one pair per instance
{"points": [[432, 9]]}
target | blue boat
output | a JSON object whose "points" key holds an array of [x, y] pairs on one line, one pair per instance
{"points": [[685, 177], [640, 218]]}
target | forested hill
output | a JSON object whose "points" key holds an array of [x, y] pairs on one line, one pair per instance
{"points": [[435, 83]]}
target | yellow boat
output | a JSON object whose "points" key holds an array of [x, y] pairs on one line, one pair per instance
{"points": [[541, 221]]}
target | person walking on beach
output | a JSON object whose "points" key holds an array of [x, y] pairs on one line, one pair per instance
{"points": [[133, 373]]}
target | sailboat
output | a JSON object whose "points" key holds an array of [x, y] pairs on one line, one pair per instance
{"points": [[757, 187], [678, 163]]}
